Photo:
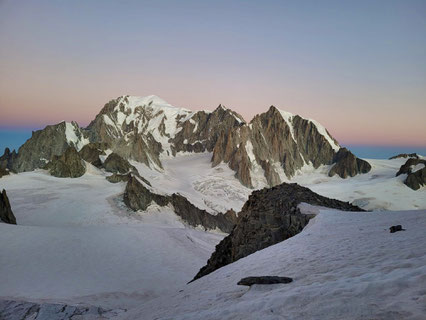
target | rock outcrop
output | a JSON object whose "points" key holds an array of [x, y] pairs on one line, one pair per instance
{"points": [[347, 165], [405, 155], [90, 153], [117, 164], [3, 172], [6, 214], [415, 180], [269, 216], [139, 197], [67, 165], [7, 160]]}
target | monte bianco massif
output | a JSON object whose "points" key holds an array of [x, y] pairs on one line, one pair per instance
{"points": [[159, 212]]}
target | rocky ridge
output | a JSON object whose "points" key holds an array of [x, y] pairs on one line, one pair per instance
{"points": [[415, 180], [138, 196], [6, 214], [269, 216], [272, 147]]}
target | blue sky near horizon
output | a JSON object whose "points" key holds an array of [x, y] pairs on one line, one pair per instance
{"points": [[357, 67], [13, 139]]}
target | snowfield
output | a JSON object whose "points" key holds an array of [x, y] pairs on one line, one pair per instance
{"points": [[345, 265], [77, 244]]}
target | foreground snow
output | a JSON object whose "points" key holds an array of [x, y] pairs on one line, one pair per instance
{"points": [[73, 244], [344, 266]]}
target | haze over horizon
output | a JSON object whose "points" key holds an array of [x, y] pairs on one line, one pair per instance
{"points": [[358, 68]]}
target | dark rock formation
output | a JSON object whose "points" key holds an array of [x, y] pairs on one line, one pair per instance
{"points": [[269, 216], [347, 165], [405, 155], [249, 281], [138, 197], [90, 153], [415, 180], [115, 178], [116, 164], [67, 165], [3, 172], [6, 214], [23, 310], [396, 228], [7, 160]]}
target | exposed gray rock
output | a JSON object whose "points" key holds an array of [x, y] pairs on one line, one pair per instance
{"points": [[43, 145], [347, 165], [269, 216], [138, 197], [249, 281], [4, 172], [67, 165], [6, 214], [415, 180], [272, 139], [116, 164], [115, 178], [90, 153], [22, 310], [405, 155], [7, 160]]}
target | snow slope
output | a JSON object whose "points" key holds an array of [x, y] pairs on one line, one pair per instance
{"points": [[217, 190], [76, 243], [377, 190], [345, 265]]}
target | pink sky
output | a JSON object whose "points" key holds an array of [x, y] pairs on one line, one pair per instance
{"points": [[356, 68]]}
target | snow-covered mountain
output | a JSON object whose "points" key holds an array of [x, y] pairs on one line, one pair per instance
{"points": [[272, 147]]}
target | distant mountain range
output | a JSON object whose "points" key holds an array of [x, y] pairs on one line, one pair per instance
{"points": [[267, 150]]}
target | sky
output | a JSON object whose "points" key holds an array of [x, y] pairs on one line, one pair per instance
{"points": [[357, 67]]}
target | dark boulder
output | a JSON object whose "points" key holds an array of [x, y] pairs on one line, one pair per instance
{"points": [[269, 216], [67, 165], [348, 165], [6, 214], [116, 178], [396, 228], [249, 281]]}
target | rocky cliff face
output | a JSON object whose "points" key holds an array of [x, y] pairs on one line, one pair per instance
{"points": [[275, 144], [415, 178], [347, 165], [7, 160], [139, 197], [44, 144], [67, 165], [6, 214], [272, 147], [268, 217]]}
